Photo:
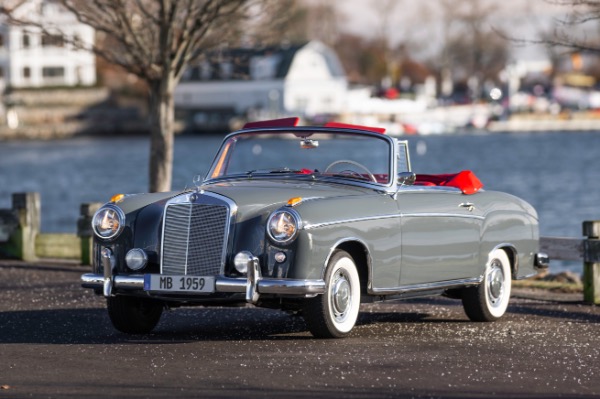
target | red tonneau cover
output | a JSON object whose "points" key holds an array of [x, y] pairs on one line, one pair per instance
{"points": [[359, 127], [465, 180], [283, 122]]}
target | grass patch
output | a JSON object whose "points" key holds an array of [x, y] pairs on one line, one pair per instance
{"points": [[554, 286]]}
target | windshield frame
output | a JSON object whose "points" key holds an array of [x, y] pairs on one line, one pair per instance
{"points": [[305, 132]]}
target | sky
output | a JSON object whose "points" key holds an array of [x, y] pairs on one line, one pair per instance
{"points": [[522, 18]]}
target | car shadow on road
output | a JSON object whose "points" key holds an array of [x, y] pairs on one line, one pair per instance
{"points": [[92, 326]]}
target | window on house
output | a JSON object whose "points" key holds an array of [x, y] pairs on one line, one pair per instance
{"points": [[1, 40], [205, 71], [26, 72], [53, 72], [26, 40], [1, 73], [226, 70], [52, 40]]}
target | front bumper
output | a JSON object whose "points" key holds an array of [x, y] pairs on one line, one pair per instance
{"points": [[305, 288], [252, 286]]}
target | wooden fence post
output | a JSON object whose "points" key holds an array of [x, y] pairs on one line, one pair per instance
{"points": [[27, 207], [591, 262], [84, 230]]}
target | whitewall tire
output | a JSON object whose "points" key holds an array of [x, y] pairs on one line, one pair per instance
{"points": [[489, 300], [334, 314]]}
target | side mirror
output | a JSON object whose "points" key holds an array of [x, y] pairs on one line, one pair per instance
{"points": [[406, 178]]}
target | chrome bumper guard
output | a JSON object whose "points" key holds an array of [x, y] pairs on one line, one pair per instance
{"points": [[542, 261], [305, 288]]}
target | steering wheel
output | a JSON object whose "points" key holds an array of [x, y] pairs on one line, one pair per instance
{"points": [[349, 171]]}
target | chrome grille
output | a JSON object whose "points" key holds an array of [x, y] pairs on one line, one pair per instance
{"points": [[194, 239]]}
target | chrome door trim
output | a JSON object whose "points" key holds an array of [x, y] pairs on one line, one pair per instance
{"points": [[443, 215], [309, 226], [428, 286]]}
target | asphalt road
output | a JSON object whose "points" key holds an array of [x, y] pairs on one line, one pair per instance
{"points": [[56, 342]]}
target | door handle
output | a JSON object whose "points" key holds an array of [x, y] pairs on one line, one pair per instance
{"points": [[470, 206]]}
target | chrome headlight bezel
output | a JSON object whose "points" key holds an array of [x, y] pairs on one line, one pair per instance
{"points": [[113, 212], [276, 223]]}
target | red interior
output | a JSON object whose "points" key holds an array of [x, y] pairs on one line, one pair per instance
{"points": [[465, 180]]}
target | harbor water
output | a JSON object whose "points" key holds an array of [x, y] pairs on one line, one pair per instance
{"points": [[558, 173]]}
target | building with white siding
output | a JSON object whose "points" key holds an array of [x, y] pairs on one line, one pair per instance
{"points": [[303, 80], [30, 57]]}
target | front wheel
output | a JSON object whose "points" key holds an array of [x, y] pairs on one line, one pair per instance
{"points": [[333, 314], [134, 315], [489, 300]]}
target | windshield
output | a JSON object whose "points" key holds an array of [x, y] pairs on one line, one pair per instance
{"points": [[352, 156]]}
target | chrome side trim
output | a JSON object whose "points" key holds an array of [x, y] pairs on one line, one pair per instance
{"points": [[309, 226], [442, 215], [306, 288], [428, 286]]}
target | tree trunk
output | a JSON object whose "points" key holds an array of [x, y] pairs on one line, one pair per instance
{"points": [[161, 134]]}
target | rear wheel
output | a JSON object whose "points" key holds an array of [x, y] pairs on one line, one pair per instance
{"points": [[333, 314], [489, 300], [134, 315]]}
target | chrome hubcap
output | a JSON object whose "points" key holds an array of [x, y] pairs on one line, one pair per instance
{"points": [[495, 282], [341, 296]]}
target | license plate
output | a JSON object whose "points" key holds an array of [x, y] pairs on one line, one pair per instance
{"points": [[189, 284]]}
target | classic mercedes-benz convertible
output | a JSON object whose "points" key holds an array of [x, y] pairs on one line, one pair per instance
{"points": [[312, 220]]}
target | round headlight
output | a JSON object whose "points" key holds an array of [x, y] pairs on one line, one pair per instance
{"points": [[136, 259], [283, 225], [108, 222]]}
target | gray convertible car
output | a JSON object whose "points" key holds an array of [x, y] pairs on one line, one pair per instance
{"points": [[314, 221]]}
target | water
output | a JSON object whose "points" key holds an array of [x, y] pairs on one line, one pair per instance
{"points": [[555, 172]]}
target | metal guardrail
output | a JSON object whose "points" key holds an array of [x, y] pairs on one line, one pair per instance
{"points": [[586, 250]]}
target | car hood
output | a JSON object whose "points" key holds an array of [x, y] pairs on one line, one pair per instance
{"points": [[251, 196]]}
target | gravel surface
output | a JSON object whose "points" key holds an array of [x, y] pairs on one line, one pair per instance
{"points": [[56, 341]]}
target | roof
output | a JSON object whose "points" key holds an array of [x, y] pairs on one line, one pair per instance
{"points": [[238, 63]]}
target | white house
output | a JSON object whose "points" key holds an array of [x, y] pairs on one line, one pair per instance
{"points": [[305, 80], [31, 58]]}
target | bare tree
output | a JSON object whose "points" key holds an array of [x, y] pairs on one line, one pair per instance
{"points": [[569, 32], [473, 48], [155, 40]]}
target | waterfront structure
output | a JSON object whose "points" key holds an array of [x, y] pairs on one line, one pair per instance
{"points": [[54, 56], [305, 80]]}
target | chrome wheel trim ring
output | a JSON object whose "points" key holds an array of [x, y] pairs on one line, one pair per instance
{"points": [[341, 296], [495, 283]]}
